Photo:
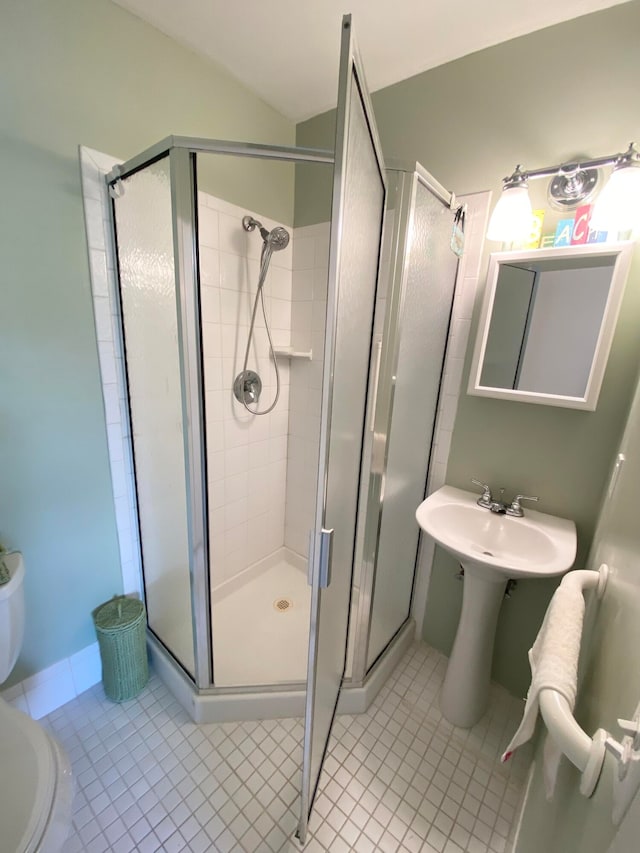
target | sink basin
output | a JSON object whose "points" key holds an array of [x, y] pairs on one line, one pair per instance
{"points": [[492, 549], [536, 545]]}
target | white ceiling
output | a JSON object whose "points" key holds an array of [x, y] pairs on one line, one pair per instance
{"points": [[287, 50]]}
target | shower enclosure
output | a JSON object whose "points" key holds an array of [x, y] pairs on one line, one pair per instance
{"points": [[267, 538]]}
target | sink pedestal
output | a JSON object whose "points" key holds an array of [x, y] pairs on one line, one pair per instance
{"points": [[465, 692]]}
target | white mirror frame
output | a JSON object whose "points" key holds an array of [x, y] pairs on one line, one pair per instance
{"points": [[623, 251]]}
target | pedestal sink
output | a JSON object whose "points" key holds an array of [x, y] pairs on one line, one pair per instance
{"points": [[492, 549]]}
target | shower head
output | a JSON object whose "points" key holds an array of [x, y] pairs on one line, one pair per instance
{"points": [[277, 238]]}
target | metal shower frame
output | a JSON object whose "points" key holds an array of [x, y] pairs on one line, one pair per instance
{"points": [[182, 151]]}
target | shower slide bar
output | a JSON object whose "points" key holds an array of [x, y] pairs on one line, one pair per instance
{"points": [[218, 146]]}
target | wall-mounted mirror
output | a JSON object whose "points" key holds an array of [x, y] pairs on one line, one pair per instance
{"points": [[547, 324]]}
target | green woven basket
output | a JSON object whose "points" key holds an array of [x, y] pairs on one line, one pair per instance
{"points": [[121, 629]]}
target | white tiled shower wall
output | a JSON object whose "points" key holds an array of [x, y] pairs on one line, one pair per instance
{"points": [[247, 453]]}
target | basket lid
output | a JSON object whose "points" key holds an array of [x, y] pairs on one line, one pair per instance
{"points": [[117, 612]]}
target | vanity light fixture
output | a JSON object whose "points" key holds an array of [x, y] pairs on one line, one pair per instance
{"points": [[617, 208], [511, 218]]}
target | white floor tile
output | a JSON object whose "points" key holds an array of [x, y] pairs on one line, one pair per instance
{"points": [[398, 778]]}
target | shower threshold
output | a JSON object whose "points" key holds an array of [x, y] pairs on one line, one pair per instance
{"points": [[262, 702]]}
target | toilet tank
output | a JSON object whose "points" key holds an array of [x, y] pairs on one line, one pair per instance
{"points": [[11, 615]]}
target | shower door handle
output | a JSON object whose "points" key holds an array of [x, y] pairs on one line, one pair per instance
{"points": [[326, 554], [376, 379]]}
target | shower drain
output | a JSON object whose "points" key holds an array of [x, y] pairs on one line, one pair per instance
{"points": [[283, 604]]}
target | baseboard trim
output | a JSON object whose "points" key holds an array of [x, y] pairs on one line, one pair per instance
{"points": [[51, 688]]}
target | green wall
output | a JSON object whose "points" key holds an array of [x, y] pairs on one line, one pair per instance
{"points": [[537, 100], [611, 681], [83, 72]]}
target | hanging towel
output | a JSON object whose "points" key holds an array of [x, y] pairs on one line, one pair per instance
{"points": [[554, 663]]}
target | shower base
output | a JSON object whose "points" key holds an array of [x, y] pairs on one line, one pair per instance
{"points": [[261, 702], [261, 623]]}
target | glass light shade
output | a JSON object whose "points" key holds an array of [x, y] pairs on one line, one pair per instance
{"points": [[617, 208], [511, 219]]}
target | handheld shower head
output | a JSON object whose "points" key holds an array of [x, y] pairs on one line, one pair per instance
{"points": [[277, 238]]}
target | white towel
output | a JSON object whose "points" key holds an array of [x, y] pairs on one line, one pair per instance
{"points": [[554, 663]]}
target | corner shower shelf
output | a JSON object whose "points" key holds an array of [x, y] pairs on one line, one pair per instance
{"points": [[288, 352]]}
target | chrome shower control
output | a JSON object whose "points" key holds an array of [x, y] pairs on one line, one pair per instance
{"points": [[247, 387]]}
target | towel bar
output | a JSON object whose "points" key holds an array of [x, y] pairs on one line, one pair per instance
{"points": [[586, 753]]}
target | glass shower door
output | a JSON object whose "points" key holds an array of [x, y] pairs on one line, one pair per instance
{"points": [[356, 221], [156, 298]]}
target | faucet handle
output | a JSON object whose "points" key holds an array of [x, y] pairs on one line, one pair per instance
{"points": [[485, 498], [516, 509]]}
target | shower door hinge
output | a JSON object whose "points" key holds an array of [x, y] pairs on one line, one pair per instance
{"points": [[326, 553]]}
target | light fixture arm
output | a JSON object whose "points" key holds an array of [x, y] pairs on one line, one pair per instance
{"points": [[626, 158]]}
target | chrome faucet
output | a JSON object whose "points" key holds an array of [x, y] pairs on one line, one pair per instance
{"points": [[515, 509], [486, 501]]}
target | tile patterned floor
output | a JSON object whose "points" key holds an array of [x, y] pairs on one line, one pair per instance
{"points": [[398, 779]]}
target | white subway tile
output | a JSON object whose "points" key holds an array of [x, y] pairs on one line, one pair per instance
{"points": [[209, 267], [107, 361], [234, 307], [260, 429], [236, 433], [215, 436], [258, 453], [216, 522], [102, 312], [437, 476], [111, 402], [234, 340], [212, 339], [216, 405], [448, 411], [278, 282], [304, 250], [210, 304], [217, 495], [212, 374], [98, 269], [216, 465], [119, 478], [319, 319], [236, 460], [208, 226], [322, 250], [94, 223], [459, 338], [114, 441], [279, 423], [302, 285], [235, 513], [280, 314], [234, 239], [237, 487], [320, 283], [453, 375], [238, 273], [442, 446]]}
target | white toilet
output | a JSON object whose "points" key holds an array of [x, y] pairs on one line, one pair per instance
{"points": [[36, 788]]}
